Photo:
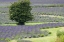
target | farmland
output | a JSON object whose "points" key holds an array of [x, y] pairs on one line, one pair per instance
{"points": [[50, 38], [48, 19], [54, 14], [27, 31]]}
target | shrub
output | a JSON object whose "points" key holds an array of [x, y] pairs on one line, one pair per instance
{"points": [[30, 37], [46, 33], [56, 26], [47, 27], [25, 37], [0, 23], [60, 39], [41, 35], [59, 33], [34, 36], [60, 36], [49, 32]]}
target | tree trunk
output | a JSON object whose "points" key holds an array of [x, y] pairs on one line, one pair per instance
{"points": [[21, 23]]}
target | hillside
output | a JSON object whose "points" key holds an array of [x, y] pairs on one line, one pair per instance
{"points": [[42, 12]]}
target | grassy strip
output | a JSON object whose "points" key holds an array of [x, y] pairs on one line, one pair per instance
{"points": [[50, 38], [25, 24]]}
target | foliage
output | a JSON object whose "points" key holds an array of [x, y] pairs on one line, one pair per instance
{"points": [[60, 39], [49, 32], [21, 11], [59, 33], [34, 36], [60, 36], [41, 35]]}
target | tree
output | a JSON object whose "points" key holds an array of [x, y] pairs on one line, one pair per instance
{"points": [[21, 12]]}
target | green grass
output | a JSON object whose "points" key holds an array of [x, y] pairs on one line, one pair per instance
{"points": [[8, 25], [53, 16], [35, 23], [50, 38], [52, 30], [13, 41], [25, 24]]}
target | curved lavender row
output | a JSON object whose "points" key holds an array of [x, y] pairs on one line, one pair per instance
{"points": [[25, 30]]}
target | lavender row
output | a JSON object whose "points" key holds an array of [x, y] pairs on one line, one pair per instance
{"points": [[25, 30]]}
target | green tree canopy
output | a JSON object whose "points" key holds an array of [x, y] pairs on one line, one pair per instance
{"points": [[21, 11]]}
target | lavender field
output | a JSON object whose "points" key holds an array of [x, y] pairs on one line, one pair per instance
{"points": [[45, 12], [25, 31]]}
